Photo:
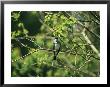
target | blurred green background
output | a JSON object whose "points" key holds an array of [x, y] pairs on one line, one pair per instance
{"points": [[32, 34]]}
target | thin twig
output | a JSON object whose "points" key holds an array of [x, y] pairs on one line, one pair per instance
{"points": [[85, 27]]}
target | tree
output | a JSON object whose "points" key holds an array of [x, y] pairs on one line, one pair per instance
{"points": [[31, 38]]}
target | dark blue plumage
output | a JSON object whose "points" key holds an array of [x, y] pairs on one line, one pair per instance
{"points": [[56, 47]]}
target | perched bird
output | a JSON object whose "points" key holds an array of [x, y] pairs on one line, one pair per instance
{"points": [[56, 47]]}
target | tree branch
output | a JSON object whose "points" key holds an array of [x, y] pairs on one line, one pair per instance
{"points": [[89, 42], [68, 15]]}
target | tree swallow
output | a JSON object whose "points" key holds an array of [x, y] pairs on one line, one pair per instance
{"points": [[56, 47]]}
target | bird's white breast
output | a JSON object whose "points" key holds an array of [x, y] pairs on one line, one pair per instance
{"points": [[57, 46], [55, 41]]}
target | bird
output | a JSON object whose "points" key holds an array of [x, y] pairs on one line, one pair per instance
{"points": [[56, 47]]}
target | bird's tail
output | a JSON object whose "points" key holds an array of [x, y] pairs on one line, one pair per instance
{"points": [[54, 57]]}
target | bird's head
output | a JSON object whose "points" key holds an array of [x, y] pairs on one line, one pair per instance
{"points": [[55, 40]]}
